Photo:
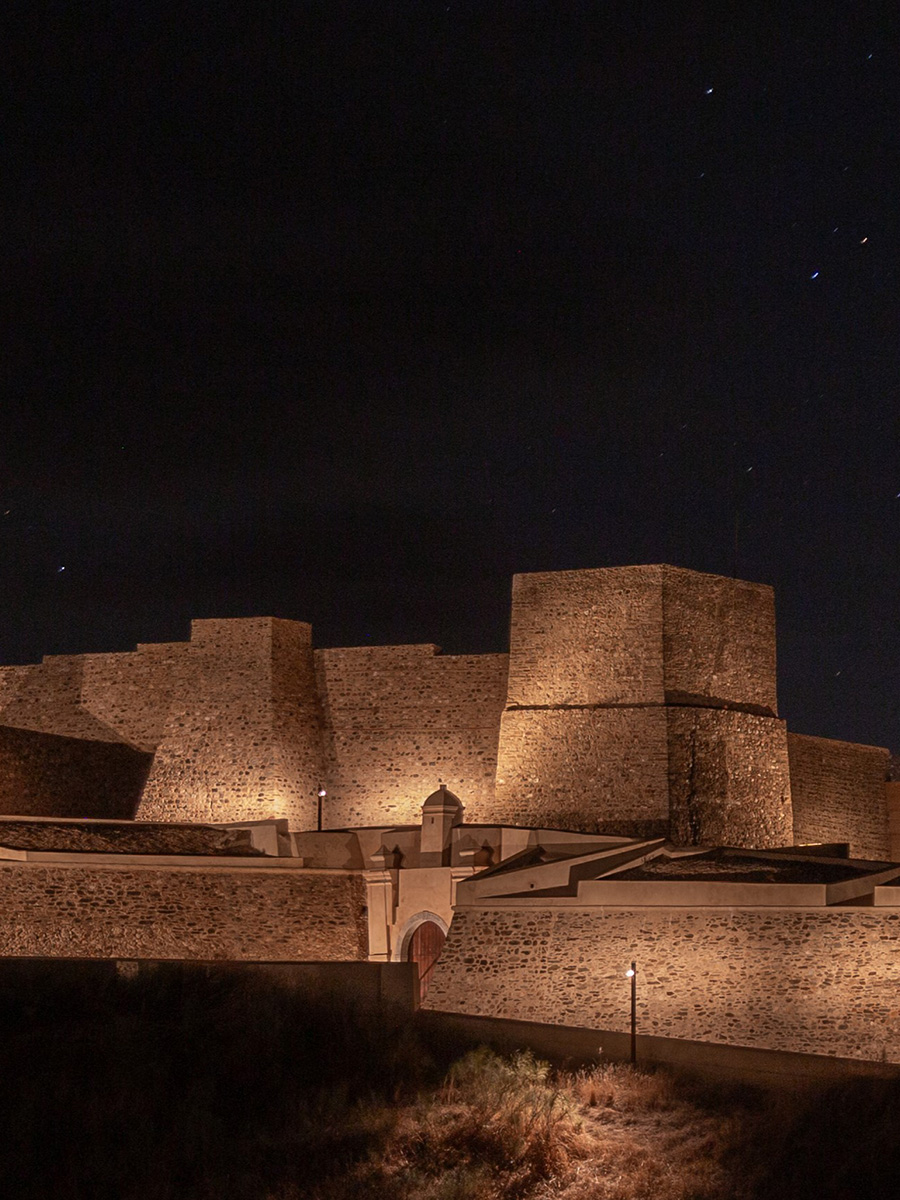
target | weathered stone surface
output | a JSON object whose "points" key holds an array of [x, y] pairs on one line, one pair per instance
{"points": [[641, 635], [816, 981], [94, 911], [839, 794], [602, 770], [729, 782], [718, 640], [586, 638], [242, 738], [400, 719], [602, 718]]}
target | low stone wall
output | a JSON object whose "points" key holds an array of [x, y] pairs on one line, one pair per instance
{"points": [[96, 911], [813, 981]]}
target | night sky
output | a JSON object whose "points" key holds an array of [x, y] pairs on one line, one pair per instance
{"points": [[347, 312]]}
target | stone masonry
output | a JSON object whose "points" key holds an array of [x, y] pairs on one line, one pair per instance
{"points": [[641, 697], [204, 911], [635, 701], [815, 981]]}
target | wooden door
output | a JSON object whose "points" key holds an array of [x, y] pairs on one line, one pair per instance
{"points": [[425, 948]]}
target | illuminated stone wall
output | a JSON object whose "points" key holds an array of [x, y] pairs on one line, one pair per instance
{"points": [[601, 770], [45, 775], [631, 696], [839, 794], [729, 782], [242, 739], [400, 719], [195, 912], [815, 981]]}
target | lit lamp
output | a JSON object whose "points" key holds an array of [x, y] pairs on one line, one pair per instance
{"points": [[632, 975], [320, 796]]}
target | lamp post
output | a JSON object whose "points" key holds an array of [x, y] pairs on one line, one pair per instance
{"points": [[632, 975], [320, 796]]}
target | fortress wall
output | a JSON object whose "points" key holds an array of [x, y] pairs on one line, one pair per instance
{"points": [[839, 794], [201, 913], [399, 719], [586, 637], [242, 739], [46, 697], [98, 697], [729, 779], [131, 693], [45, 775], [719, 639], [11, 679], [813, 981], [601, 770], [893, 806]]}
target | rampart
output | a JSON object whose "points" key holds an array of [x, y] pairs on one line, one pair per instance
{"points": [[636, 701], [811, 980], [839, 794], [242, 738], [224, 911]]}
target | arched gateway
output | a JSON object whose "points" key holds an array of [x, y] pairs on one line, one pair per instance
{"points": [[423, 946]]}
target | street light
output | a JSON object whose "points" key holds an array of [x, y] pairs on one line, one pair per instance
{"points": [[632, 975], [320, 796]]}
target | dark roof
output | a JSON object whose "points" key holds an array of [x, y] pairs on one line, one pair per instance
{"points": [[736, 866], [93, 837]]}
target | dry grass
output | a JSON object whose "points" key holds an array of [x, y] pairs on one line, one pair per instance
{"points": [[512, 1129], [187, 1087]]}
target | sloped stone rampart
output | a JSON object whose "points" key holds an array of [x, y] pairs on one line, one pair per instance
{"points": [[729, 780], [45, 775], [98, 697], [399, 719], [840, 795], [202, 913], [813, 981]]}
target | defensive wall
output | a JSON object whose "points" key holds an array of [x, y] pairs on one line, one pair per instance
{"points": [[813, 980], [88, 906], [642, 699], [832, 785], [634, 701], [398, 719]]}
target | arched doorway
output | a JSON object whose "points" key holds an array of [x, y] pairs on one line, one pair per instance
{"points": [[424, 949]]}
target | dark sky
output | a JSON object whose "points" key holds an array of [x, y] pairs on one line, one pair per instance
{"points": [[346, 312]]}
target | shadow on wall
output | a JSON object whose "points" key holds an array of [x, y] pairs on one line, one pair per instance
{"points": [[45, 775]]}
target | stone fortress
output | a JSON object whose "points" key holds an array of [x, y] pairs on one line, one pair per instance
{"points": [[240, 796]]}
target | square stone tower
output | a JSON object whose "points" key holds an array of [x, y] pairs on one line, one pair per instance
{"points": [[642, 700]]}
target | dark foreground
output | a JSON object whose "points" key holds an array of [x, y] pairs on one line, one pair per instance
{"points": [[180, 1085]]}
